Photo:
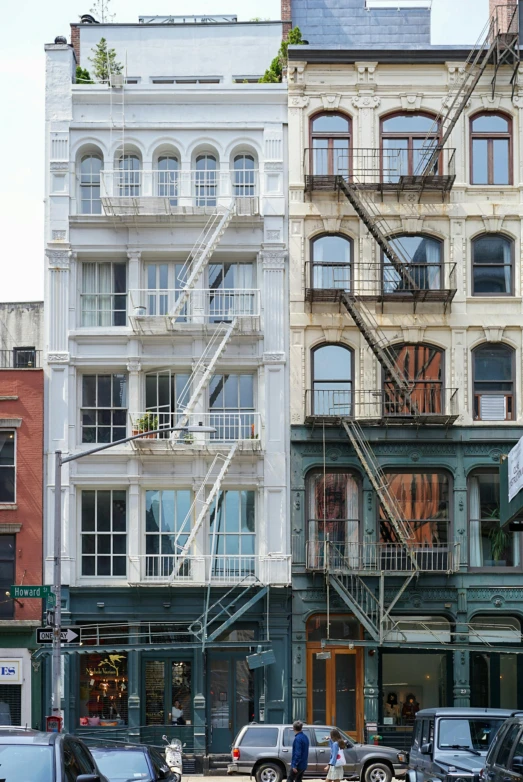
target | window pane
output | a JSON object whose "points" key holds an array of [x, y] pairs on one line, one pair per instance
{"points": [[409, 123], [501, 162], [332, 362], [492, 250], [424, 499], [480, 161], [246, 391], [7, 448], [493, 364], [89, 390], [418, 249], [167, 511], [103, 503], [490, 123], [232, 511], [332, 249], [330, 123], [492, 279], [119, 511], [7, 484], [260, 737], [88, 511], [104, 390]]}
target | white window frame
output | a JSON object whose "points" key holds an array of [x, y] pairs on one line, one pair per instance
{"points": [[81, 407], [95, 533]]}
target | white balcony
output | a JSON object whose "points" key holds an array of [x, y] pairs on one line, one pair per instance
{"points": [[220, 570], [150, 309], [230, 427], [136, 193]]}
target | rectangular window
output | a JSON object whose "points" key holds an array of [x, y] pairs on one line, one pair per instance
{"points": [[104, 408], [7, 466], [424, 499], [104, 528], [103, 689], [104, 294], [490, 546], [231, 402], [7, 578], [411, 682], [260, 737], [167, 527], [230, 291], [164, 284], [232, 534], [24, 358]]}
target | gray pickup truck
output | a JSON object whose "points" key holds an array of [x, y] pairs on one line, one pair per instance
{"points": [[264, 751]]}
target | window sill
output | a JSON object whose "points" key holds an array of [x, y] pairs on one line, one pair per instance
{"points": [[497, 570], [494, 297], [8, 506]]}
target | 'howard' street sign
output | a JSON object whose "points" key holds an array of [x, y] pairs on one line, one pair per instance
{"points": [[29, 591]]}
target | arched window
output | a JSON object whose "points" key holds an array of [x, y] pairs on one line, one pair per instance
{"points": [[424, 270], [330, 144], [492, 265], [494, 383], [206, 180], [490, 546], [331, 262], [423, 366], [90, 168], [129, 176], [244, 176], [333, 511], [167, 174], [491, 149], [407, 141], [332, 380]]}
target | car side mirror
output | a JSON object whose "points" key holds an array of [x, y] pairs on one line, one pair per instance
{"points": [[426, 749], [88, 778], [163, 773]]}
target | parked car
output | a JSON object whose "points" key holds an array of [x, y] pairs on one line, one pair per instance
{"points": [[264, 751], [451, 744], [33, 756], [136, 762], [505, 756]]}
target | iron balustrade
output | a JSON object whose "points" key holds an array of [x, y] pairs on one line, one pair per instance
{"points": [[229, 426], [204, 305], [20, 358], [426, 399], [224, 569], [371, 558]]}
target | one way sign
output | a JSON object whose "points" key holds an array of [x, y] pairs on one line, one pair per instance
{"points": [[68, 635]]}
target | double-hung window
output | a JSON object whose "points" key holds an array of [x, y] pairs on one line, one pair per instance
{"points": [[104, 294], [494, 383], [104, 533], [7, 574], [164, 285], [231, 291], [491, 149], [232, 533], [231, 403], [7, 466], [104, 408], [167, 527]]}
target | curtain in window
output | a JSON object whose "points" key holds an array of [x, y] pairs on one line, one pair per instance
{"points": [[89, 308], [476, 549], [432, 251], [105, 298], [516, 548], [334, 512], [244, 303], [507, 261]]}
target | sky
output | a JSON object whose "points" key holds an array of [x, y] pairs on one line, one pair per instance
{"points": [[27, 25]]}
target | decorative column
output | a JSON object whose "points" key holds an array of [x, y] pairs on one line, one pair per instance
{"points": [[133, 684], [370, 688], [462, 659], [134, 396], [134, 279]]}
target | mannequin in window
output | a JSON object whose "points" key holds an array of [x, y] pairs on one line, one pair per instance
{"points": [[410, 708], [392, 707]]}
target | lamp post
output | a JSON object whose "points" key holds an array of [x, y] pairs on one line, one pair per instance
{"points": [[57, 575]]}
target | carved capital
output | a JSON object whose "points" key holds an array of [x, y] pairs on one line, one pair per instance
{"points": [[56, 357], [273, 165], [134, 365], [58, 259], [274, 358], [273, 259], [59, 166], [296, 72], [134, 255], [298, 101]]}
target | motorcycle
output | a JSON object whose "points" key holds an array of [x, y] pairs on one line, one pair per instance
{"points": [[173, 757]]}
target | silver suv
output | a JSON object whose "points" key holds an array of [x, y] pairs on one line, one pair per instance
{"points": [[264, 751]]}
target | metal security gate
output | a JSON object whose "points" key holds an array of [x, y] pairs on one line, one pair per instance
{"points": [[10, 704]]}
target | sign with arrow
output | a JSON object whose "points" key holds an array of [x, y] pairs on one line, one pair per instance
{"points": [[68, 635]]}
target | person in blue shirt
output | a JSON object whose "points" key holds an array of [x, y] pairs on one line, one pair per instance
{"points": [[337, 745], [300, 753]]}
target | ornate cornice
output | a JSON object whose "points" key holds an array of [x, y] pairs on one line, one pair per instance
{"points": [[273, 259], [298, 101]]}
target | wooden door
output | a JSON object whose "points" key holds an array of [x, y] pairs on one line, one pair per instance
{"points": [[335, 689]]}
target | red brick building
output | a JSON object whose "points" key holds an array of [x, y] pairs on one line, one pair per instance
{"points": [[21, 523]]}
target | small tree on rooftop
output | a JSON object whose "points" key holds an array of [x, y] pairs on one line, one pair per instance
{"points": [[274, 73], [104, 61], [83, 76], [101, 11]]}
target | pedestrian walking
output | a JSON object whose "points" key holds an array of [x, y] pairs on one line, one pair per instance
{"points": [[337, 759], [300, 753]]}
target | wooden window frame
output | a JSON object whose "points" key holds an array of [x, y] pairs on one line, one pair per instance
{"points": [[330, 137], [483, 265], [490, 137], [350, 382], [410, 136], [324, 235], [511, 405]]}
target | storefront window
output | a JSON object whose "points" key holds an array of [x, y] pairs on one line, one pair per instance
{"points": [[494, 675], [181, 693], [490, 545], [155, 692], [103, 689], [424, 500], [341, 628], [411, 682], [168, 693]]}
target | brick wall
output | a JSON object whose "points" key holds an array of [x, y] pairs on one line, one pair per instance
{"points": [[504, 14], [28, 387], [286, 16], [75, 41]]}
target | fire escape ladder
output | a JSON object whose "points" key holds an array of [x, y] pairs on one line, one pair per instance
{"points": [[227, 609], [204, 503], [379, 482], [360, 600], [200, 255]]}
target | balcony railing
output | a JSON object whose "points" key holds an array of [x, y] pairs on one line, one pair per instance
{"points": [[174, 192], [368, 558], [230, 427], [427, 402], [384, 169], [325, 280], [221, 569], [20, 358], [203, 306]]}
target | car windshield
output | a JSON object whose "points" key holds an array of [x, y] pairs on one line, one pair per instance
{"points": [[122, 765], [26, 763], [473, 733]]}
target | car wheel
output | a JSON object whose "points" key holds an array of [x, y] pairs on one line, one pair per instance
{"points": [[378, 772], [269, 772]]}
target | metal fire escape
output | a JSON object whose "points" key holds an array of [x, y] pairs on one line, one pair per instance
{"points": [[347, 566]]}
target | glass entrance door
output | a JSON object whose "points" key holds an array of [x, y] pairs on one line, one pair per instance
{"points": [[335, 690], [231, 700]]}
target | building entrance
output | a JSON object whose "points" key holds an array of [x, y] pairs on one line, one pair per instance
{"points": [[231, 699]]}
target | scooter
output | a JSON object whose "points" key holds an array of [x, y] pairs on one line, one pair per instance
{"points": [[173, 756]]}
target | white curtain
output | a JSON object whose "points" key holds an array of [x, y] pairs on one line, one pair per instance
{"points": [[88, 294], [516, 548], [243, 280], [105, 298], [353, 515], [476, 551], [507, 260], [433, 254]]}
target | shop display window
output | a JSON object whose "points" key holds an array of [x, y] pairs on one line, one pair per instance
{"points": [[103, 690], [411, 682]]}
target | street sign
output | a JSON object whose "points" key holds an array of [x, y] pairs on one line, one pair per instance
{"points": [[50, 599], [30, 591], [68, 635]]}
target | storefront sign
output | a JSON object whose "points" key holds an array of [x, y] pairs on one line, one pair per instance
{"points": [[515, 470], [10, 670]]}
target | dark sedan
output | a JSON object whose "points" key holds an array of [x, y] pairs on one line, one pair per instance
{"points": [[133, 763]]}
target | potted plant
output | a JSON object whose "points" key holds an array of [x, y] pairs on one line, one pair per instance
{"points": [[499, 540], [148, 422]]}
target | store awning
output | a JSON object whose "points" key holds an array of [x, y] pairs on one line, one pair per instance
{"points": [[115, 648]]}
